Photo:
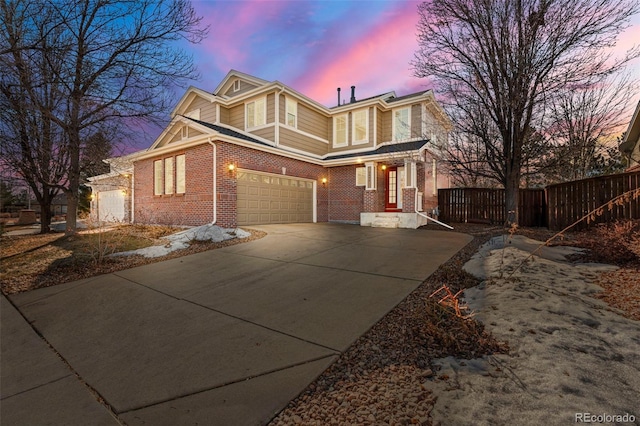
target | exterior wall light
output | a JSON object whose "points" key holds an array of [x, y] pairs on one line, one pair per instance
{"points": [[124, 192], [324, 181], [231, 167], [384, 167]]}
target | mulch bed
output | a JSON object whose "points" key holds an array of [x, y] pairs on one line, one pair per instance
{"points": [[380, 378]]}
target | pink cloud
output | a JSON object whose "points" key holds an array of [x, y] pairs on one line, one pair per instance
{"points": [[231, 26], [376, 62]]}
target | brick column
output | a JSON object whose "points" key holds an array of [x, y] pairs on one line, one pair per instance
{"points": [[370, 201], [408, 200]]}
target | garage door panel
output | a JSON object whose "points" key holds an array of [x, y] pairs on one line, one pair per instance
{"points": [[111, 206], [265, 198]]}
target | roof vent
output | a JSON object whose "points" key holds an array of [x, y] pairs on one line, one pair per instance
{"points": [[353, 94], [339, 96]]}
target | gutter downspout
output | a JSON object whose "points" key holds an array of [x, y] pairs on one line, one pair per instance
{"points": [[132, 204], [415, 206], [215, 182]]}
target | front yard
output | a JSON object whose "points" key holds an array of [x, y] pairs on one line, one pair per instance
{"points": [[28, 262]]}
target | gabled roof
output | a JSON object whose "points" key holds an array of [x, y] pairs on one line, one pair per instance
{"points": [[231, 75], [228, 132], [409, 96], [381, 96], [395, 148], [632, 135]]}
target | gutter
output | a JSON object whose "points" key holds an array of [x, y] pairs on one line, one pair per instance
{"points": [[415, 207], [215, 182]]}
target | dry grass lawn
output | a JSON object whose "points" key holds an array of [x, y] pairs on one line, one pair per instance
{"points": [[33, 261]]}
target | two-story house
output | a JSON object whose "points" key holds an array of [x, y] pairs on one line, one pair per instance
{"points": [[257, 152]]}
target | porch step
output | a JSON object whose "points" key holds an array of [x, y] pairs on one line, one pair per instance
{"points": [[385, 222]]}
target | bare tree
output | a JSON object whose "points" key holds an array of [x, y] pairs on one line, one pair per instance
{"points": [[512, 55], [85, 67], [584, 121]]}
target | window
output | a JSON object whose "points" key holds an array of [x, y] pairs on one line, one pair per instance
{"points": [[180, 174], [292, 113], [361, 176], [340, 130], [401, 124], [360, 126], [256, 113], [236, 85], [168, 175], [371, 176], [157, 177]]}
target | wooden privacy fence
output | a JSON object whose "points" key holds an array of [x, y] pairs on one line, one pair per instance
{"points": [[568, 202], [487, 205], [556, 206]]}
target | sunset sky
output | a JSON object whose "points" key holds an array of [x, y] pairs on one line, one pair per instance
{"points": [[317, 46]]}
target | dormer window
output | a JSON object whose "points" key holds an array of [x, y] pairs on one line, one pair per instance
{"points": [[401, 124], [292, 113], [340, 130], [360, 126], [256, 113], [236, 85]]}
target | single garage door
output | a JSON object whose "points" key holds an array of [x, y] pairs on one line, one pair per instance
{"points": [[111, 206], [264, 198]]}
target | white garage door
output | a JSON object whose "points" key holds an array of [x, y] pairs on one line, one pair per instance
{"points": [[264, 198], [111, 206]]}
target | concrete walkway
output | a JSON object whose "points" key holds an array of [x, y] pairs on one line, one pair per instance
{"points": [[227, 336]]}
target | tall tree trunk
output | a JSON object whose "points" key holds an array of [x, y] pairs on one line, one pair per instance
{"points": [[512, 196], [74, 183]]}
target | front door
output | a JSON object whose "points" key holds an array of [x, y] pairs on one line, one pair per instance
{"points": [[394, 183]]}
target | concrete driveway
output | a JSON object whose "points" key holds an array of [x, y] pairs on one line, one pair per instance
{"points": [[227, 336]]}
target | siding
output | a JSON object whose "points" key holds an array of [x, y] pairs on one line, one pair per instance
{"points": [[207, 109], [224, 115], [385, 121], [416, 121], [271, 108], [265, 132], [291, 138], [312, 122], [244, 87], [174, 137], [236, 116], [193, 132]]}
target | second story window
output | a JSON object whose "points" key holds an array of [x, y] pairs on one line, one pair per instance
{"points": [[360, 130], [401, 124], [340, 130], [256, 113], [292, 113]]}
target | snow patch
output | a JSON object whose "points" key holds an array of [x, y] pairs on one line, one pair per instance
{"points": [[181, 240]]}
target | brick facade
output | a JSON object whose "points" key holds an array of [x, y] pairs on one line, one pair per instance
{"points": [[346, 200], [194, 207], [339, 199]]}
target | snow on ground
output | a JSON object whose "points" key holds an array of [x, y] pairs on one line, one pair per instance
{"points": [[182, 239], [572, 358]]}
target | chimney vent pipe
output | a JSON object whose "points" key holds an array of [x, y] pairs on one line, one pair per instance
{"points": [[353, 94], [339, 96]]}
